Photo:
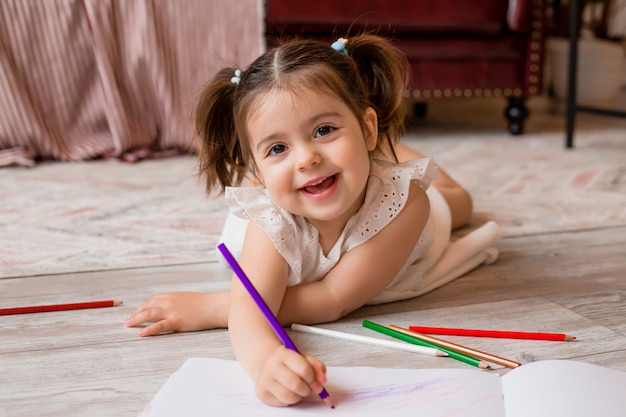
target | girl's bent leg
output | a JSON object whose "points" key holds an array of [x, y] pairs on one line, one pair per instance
{"points": [[457, 197]]}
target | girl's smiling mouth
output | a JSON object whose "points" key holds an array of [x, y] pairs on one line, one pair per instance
{"points": [[319, 186]]}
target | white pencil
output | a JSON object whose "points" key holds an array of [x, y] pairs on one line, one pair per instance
{"points": [[368, 340]]}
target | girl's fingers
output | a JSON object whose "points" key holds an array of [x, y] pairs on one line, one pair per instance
{"points": [[144, 315], [285, 378], [319, 370], [286, 389], [302, 375], [270, 398], [134, 318], [156, 329]]}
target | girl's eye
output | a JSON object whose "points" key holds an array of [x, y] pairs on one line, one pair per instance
{"points": [[323, 131], [277, 149]]}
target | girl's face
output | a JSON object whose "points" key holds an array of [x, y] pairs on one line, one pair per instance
{"points": [[311, 154]]}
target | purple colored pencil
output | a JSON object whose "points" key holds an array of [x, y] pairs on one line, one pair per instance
{"points": [[260, 302]]}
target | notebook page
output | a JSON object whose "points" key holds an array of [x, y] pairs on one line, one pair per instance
{"points": [[564, 388]]}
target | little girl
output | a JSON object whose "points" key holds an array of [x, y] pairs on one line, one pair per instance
{"points": [[338, 214]]}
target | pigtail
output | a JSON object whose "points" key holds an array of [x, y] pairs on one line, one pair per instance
{"points": [[384, 72], [221, 162]]}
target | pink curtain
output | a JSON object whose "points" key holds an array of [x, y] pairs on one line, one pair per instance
{"points": [[82, 79]]}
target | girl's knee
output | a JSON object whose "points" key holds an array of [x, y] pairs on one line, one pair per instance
{"points": [[461, 207]]}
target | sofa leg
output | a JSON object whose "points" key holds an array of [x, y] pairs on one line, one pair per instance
{"points": [[516, 113], [416, 113], [420, 108]]}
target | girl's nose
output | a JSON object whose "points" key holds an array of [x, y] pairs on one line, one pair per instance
{"points": [[308, 157]]}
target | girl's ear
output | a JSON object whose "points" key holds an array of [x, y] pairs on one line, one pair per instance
{"points": [[371, 128]]}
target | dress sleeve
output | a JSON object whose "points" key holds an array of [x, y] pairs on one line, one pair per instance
{"points": [[387, 193], [288, 233]]}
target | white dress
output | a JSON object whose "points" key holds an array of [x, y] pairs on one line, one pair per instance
{"points": [[433, 262]]}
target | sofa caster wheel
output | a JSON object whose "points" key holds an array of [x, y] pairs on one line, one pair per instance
{"points": [[516, 128], [516, 113]]}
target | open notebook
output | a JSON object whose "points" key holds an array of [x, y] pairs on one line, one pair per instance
{"points": [[203, 387]]}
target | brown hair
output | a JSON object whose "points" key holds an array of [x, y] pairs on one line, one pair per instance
{"points": [[374, 74]]}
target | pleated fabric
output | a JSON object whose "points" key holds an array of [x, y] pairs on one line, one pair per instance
{"points": [[82, 79]]}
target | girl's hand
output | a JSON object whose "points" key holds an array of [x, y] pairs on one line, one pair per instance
{"points": [[285, 377], [175, 312]]}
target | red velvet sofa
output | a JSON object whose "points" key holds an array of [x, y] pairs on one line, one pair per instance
{"points": [[456, 48]]}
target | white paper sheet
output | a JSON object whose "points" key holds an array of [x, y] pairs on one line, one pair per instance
{"points": [[564, 388], [217, 387]]}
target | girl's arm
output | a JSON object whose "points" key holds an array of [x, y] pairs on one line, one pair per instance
{"points": [[282, 377], [362, 272]]}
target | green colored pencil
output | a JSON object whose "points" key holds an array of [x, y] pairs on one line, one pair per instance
{"points": [[398, 335]]}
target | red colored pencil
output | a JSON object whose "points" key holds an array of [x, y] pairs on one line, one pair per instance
{"points": [[58, 307], [492, 333]]}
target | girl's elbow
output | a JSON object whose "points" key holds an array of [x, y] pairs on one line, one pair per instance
{"points": [[336, 310], [344, 310]]}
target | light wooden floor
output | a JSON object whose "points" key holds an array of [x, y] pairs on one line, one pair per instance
{"points": [[89, 364]]}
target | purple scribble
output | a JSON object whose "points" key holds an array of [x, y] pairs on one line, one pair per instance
{"points": [[388, 390]]}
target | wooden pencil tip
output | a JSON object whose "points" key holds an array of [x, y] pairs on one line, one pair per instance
{"points": [[117, 303], [440, 353], [484, 365], [329, 402], [568, 337]]}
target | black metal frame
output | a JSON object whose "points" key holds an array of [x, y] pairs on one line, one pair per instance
{"points": [[571, 106]]}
